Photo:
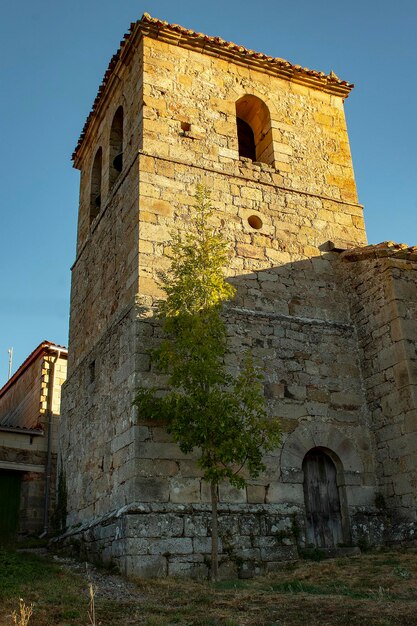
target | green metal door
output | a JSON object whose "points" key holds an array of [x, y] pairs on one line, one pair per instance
{"points": [[9, 503]]}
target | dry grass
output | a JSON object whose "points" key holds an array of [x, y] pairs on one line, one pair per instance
{"points": [[92, 606], [378, 589], [22, 617]]}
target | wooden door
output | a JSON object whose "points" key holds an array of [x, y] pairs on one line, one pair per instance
{"points": [[9, 503], [321, 496]]}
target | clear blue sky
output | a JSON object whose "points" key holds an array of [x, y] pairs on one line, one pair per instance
{"points": [[52, 57]]}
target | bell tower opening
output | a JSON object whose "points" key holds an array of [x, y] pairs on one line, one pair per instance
{"points": [[116, 146], [254, 130], [95, 192], [246, 140]]}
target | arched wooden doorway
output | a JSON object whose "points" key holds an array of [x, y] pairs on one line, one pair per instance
{"points": [[324, 525]]}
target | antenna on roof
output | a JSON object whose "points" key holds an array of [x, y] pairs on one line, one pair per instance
{"points": [[10, 351]]}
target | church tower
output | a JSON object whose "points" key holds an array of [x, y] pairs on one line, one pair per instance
{"points": [[177, 108]]}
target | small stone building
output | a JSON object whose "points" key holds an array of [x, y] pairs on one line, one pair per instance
{"points": [[29, 415], [331, 320]]}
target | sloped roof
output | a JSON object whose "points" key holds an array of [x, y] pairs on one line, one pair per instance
{"points": [[43, 347], [379, 250], [178, 35]]}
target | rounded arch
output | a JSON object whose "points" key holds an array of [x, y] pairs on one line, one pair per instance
{"points": [[238, 91], [319, 435], [254, 129], [116, 146], [334, 458], [95, 186], [328, 452]]}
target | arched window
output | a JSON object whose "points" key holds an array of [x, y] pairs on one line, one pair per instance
{"points": [[95, 193], [254, 131], [116, 146]]}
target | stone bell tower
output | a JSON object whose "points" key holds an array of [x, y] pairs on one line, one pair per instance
{"points": [[177, 108]]}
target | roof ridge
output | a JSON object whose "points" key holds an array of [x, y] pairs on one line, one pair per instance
{"points": [[44, 345]]}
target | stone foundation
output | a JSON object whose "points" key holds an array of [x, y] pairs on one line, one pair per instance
{"points": [[155, 540], [150, 540]]}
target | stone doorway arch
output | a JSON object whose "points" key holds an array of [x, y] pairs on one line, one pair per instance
{"points": [[344, 454]]}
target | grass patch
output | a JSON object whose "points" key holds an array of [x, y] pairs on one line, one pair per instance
{"points": [[231, 584], [373, 589], [54, 593]]}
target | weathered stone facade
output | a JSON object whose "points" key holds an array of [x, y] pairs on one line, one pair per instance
{"points": [[309, 317]]}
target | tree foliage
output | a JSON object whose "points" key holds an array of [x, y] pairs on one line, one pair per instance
{"points": [[207, 408]]}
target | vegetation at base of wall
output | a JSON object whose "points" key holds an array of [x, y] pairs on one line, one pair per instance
{"points": [[52, 591], [376, 589], [312, 554]]}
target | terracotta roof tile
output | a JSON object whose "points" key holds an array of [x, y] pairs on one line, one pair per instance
{"points": [[38, 430], [158, 28], [379, 250]]}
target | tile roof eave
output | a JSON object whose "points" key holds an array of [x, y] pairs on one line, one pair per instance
{"points": [[170, 32], [41, 349], [217, 46], [33, 432], [386, 249]]}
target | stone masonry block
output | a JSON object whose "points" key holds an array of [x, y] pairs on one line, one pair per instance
{"points": [[149, 566], [188, 568], [196, 525], [249, 525], [256, 494], [166, 547], [285, 492], [153, 525], [184, 490]]}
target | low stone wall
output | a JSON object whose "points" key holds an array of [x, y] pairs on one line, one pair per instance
{"points": [[157, 540], [381, 528], [173, 539]]}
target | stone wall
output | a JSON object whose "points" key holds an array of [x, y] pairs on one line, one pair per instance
{"points": [[96, 432], [289, 310], [182, 85], [310, 389], [175, 539], [384, 307]]}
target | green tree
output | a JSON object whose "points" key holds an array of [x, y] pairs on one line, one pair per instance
{"points": [[224, 417]]}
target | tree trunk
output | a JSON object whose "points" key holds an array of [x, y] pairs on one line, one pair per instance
{"points": [[214, 534]]}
